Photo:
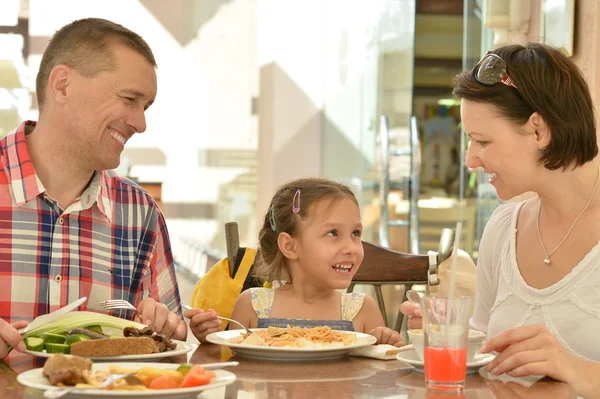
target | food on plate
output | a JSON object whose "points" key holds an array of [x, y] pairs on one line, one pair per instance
{"points": [[67, 370], [163, 343], [93, 342], [299, 337], [115, 347], [63, 370]]}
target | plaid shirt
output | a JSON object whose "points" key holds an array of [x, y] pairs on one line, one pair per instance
{"points": [[111, 243]]}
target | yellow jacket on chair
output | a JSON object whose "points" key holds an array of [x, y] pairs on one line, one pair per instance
{"points": [[218, 291]]}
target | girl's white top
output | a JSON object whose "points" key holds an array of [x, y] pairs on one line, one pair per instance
{"points": [[570, 309]]}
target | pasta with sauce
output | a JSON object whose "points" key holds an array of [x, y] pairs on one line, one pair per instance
{"points": [[299, 337]]}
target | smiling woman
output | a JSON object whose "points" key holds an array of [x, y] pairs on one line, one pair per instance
{"points": [[530, 118]]}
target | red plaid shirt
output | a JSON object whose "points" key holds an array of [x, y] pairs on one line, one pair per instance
{"points": [[111, 243]]}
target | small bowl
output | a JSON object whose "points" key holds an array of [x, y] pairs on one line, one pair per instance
{"points": [[417, 338]]}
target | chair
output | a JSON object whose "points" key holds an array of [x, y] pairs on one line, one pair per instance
{"points": [[380, 266], [432, 219], [383, 266]]}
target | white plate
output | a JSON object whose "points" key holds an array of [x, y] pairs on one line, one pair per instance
{"points": [[36, 379], [287, 354], [181, 349], [409, 356]]}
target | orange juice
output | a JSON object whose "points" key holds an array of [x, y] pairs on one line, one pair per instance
{"points": [[445, 366]]}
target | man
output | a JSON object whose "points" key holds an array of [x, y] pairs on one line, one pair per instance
{"points": [[69, 227]]}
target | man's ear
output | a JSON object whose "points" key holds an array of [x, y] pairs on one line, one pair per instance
{"points": [[287, 245], [58, 82], [541, 129]]}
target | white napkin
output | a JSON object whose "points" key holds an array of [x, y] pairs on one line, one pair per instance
{"points": [[381, 351]]}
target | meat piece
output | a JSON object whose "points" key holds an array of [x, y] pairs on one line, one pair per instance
{"points": [[139, 332], [68, 377], [160, 345], [60, 362], [165, 340]]}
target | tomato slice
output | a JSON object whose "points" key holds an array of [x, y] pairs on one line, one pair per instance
{"points": [[196, 376], [163, 382]]}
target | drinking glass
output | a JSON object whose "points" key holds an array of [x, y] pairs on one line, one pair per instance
{"points": [[446, 332]]}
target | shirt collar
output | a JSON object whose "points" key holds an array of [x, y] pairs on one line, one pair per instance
{"points": [[26, 184]]}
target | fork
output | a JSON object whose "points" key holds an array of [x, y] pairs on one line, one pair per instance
{"points": [[188, 307], [117, 304], [59, 393]]}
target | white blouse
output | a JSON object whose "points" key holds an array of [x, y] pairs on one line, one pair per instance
{"points": [[570, 309]]}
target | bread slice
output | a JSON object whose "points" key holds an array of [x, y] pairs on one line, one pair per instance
{"points": [[114, 347]]}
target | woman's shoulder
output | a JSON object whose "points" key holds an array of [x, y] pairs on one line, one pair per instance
{"points": [[502, 220]]}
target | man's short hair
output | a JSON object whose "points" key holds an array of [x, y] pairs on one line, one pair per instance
{"points": [[86, 45]]}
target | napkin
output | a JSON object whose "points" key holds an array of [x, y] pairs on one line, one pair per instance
{"points": [[381, 351]]}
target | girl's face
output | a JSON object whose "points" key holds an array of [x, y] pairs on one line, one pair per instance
{"points": [[329, 245], [507, 152]]}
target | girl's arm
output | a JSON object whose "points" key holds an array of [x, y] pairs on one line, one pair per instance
{"points": [[243, 311], [372, 322]]}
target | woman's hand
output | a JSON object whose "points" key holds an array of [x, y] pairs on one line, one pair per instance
{"points": [[413, 311], [533, 350], [388, 336], [203, 323]]}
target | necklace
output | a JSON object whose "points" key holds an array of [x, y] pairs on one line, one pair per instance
{"points": [[547, 259]]}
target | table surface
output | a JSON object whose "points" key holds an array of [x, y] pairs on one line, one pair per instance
{"points": [[350, 377]]}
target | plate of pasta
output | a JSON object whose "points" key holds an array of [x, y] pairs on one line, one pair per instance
{"points": [[292, 343]]}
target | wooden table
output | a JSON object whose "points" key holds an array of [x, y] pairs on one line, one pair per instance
{"points": [[351, 377]]}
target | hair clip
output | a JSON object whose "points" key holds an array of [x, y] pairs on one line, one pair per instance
{"points": [[273, 223], [296, 202]]}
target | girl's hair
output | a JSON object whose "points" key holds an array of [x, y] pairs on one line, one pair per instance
{"points": [[270, 263], [550, 83]]}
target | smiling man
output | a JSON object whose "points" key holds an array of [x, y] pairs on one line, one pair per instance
{"points": [[69, 227]]}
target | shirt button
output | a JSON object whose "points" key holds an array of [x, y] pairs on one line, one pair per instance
{"points": [[61, 220], [58, 278]]}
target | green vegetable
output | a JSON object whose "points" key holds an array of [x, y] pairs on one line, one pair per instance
{"points": [[96, 328], [81, 319], [50, 338], [58, 348], [34, 344], [71, 339], [185, 367]]}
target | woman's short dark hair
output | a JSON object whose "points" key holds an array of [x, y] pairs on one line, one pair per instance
{"points": [[549, 83]]}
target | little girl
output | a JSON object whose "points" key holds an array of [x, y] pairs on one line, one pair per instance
{"points": [[310, 246]]}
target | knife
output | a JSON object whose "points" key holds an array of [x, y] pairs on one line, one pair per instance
{"points": [[214, 366], [47, 318]]}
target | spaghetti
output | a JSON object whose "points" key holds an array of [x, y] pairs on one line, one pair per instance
{"points": [[299, 337]]}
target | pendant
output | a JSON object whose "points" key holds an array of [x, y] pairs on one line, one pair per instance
{"points": [[547, 260]]}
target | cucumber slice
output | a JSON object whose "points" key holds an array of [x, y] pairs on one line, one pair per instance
{"points": [[185, 367], [71, 339], [34, 344], [50, 338], [58, 348], [95, 327]]}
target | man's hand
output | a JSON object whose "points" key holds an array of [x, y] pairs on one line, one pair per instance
{"points": [[9, 336], [166, 322]]}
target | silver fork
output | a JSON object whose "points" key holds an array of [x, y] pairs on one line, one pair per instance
{"points": [[188, 307], [117, 304], [59, 393]]}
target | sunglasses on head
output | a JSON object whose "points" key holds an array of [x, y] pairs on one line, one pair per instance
{"points": [[491, 69]]}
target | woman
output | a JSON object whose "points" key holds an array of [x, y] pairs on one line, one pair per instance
{"points": [[530, 120]]}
